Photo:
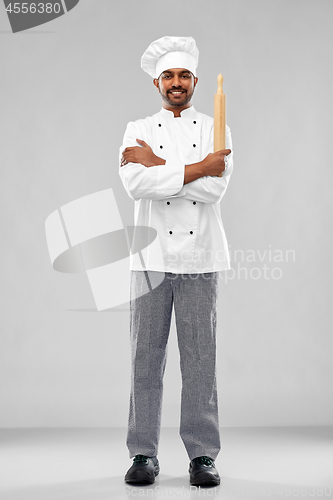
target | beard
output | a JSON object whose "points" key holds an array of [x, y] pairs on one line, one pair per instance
{"points": [[187, 96]]}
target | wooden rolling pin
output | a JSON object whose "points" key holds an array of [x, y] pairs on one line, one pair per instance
{"points": [[219, 117]]}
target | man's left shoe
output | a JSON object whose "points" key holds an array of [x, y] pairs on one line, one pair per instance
{"points": [[203, 472]]}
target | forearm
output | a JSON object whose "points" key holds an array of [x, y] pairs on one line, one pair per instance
{"points": [[193, 172], [211, 166], [207, 188], [157, 182]]}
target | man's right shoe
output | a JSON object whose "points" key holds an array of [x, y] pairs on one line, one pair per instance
{"points": [[143, 470]]}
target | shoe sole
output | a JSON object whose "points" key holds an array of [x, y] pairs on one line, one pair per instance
{"points": [[205, 481]]}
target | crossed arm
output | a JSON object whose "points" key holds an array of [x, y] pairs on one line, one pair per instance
{"points": [[212, 165]]}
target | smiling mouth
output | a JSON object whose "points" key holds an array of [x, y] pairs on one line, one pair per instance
{"points": [[176, 92]]}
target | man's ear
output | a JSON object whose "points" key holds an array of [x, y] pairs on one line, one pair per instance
{"points": [[195, 80], [155, 82]]}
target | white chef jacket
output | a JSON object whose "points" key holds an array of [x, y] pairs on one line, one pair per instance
{"points": [[187, 218]]}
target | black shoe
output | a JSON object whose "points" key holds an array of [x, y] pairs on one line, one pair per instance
{"points": [[203, 473], [143, 470]]}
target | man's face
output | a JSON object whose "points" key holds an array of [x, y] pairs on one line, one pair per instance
{"points": [[176, 86]]}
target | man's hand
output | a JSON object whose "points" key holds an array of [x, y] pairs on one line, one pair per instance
{"points": [[141, 154], [214, 163]]}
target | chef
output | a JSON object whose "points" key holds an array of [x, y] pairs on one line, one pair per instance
{"points": [[168, 167]]}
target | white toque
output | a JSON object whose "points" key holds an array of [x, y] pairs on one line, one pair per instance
{"points": [[170, 52]]}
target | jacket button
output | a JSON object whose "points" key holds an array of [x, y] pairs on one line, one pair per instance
{"points": [[194, 203], [191, 232], [194, 145], [168, 202], [170, 232], [161, 147], [159, 125], [194, 122]]}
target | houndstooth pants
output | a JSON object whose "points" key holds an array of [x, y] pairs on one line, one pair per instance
{"points": [[194, 297]]}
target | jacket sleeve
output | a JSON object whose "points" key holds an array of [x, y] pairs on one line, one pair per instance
{"points": [[154, 183], [210, 189]]}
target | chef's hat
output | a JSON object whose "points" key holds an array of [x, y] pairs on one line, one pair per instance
{"points": [[170, 52]]}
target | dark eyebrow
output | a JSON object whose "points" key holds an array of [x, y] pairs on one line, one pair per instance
{"points": [[185, 72]]}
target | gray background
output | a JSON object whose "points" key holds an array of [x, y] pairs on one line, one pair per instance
{"points": [[68, 89]]}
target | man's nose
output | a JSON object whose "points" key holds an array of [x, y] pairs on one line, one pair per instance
{"points": [[176, 81]]}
